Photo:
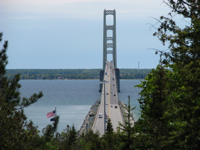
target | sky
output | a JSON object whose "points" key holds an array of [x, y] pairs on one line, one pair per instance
{"points": [[68, 34]]}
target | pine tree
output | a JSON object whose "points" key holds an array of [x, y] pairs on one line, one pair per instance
{"points": [[90, 141], [182, 87], [153, 103], [127, 131], [108, 137], [16, 132], [72, 137], [109, 127]]}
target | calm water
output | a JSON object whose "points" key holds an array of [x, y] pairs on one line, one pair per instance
{"points": [[72, 99]]}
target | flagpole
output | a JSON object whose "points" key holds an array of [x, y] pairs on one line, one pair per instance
{"points": [[55, 110]]}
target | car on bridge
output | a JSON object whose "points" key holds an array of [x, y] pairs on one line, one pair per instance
{"points": [[100, 115]]}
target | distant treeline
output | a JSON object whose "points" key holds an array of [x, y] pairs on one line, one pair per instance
{"points": [[73, 73]]}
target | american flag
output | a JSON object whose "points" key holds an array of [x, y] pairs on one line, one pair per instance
{"points": [[51, 114]]}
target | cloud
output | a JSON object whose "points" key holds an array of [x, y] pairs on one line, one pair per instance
{"points": [[88, 9]]}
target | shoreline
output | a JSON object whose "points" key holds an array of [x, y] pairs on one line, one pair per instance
{"points": [[77, 79]]}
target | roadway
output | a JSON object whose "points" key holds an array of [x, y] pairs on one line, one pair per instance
{"points": [[111, 99]]}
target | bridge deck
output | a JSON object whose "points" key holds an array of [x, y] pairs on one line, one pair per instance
{"points": [[111, 100]]}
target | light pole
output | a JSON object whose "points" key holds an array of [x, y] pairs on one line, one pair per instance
{"points": [[103, 82]]}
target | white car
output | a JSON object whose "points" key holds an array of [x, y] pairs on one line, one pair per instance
{"points": [[100, 115]]}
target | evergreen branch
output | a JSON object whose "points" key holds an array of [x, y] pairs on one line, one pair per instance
{"points": [[28, 101]]}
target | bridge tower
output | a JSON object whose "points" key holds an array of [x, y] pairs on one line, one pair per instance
{"points": [[109, 42]]}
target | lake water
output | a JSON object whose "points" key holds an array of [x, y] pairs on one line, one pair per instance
{"points": [[72, 99]]}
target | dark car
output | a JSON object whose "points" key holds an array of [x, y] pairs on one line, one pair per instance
{"points": [[115, 106], [114, 95]]}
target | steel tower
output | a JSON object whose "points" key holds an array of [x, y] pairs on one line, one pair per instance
{"points": [[109, 42]]}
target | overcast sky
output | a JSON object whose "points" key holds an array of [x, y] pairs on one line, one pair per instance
{"points": [[68, 34]]}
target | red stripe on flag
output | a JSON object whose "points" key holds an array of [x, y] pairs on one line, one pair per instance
{"points": [[51, 114]]}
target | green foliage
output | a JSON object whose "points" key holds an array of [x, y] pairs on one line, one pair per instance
{"points": [[170, 97], [68, 140], [184, 59], [154, 103], [90, 141], [127, 134], [170, 100], [109, 127], [72, 137], [72, 73], [134, 73], [110, 139]]}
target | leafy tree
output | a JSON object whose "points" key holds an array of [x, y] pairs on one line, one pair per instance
{"points": [[153, 103], [184, 59], [16, 132], [181, 93]]}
